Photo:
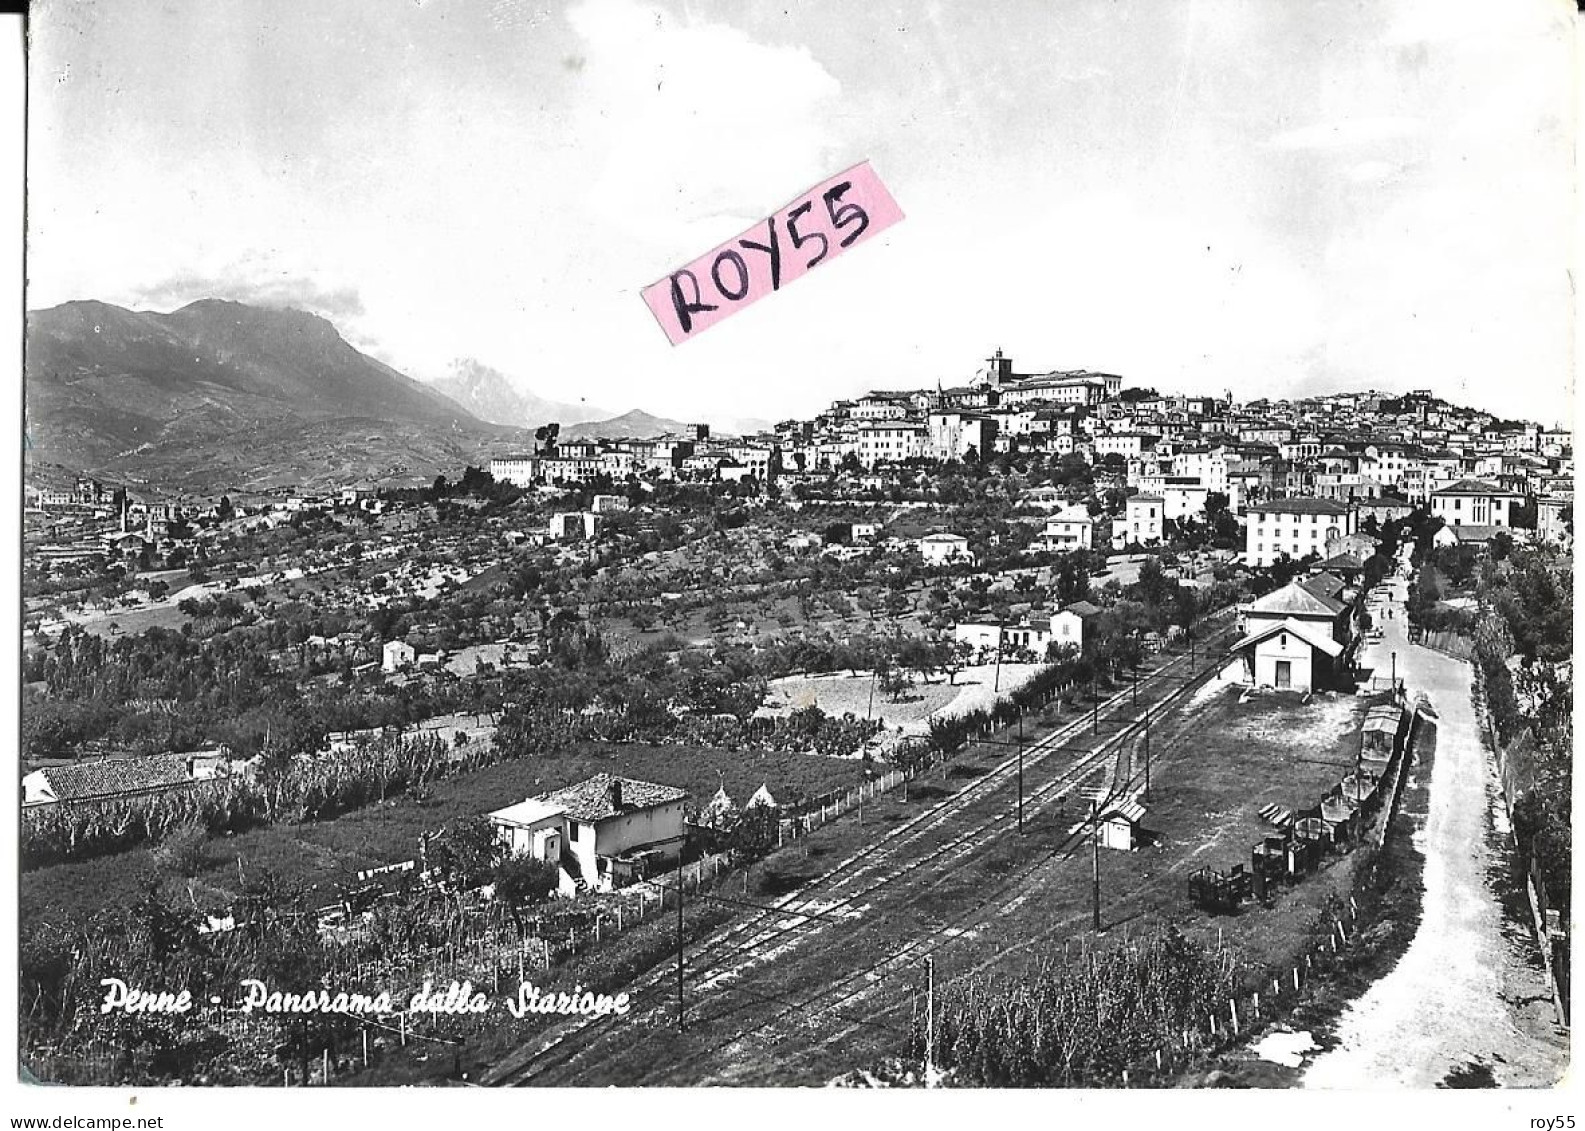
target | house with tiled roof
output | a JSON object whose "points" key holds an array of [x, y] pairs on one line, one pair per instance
{"points": [[1472, 535], [1298, 637], [1474, 502], [111, 779], [602, 832]]}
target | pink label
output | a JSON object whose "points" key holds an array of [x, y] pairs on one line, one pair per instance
{"points": [[814, 229]]}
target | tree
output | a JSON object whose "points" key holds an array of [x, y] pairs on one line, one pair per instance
{"points": [[957, 658], [467, 850], [523, 881]]}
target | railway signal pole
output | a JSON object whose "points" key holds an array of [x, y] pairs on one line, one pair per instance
{"points": [[1095, 875]]}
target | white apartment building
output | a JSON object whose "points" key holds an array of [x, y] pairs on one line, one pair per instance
{"points": [[890, 442], [1295, 527], [1470, 502], [618, 464], [1143, 517], [762, 460], [882, 406], [1208, 465], [516, 470], [1129, 445]]}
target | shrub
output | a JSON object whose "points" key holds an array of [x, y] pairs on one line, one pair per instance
{"points": [[185, 850]]}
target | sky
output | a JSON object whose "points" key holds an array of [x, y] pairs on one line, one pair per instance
{"points": [[1266, 198]]}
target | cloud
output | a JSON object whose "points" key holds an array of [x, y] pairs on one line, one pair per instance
{"points": [[282, 291], [698, 127], [1346, 132], [1373, 172]]}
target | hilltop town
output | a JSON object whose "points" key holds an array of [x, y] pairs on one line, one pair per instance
{"points": [[500, 719]]}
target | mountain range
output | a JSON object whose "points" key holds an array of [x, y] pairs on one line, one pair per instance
{"points": [[223, 395], [488, 394], [226, 396]]}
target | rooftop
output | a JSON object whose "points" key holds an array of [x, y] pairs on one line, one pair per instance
{"points": [[590, 800], [529, 812], [1305, 632], [108, 778], [1293, 599], [1472, 487], [1302, 506]]}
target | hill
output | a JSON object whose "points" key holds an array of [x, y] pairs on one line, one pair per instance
{"points": [[224, 390], [636, 424], [488, 394]]}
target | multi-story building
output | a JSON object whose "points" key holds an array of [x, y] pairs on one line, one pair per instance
{"points": [[1129, 445], [954, 434], [882, 406], [762, 460], [564, 468], [1143, 516], [1071, 528], [890, 441], [1470, 502], [1296, 528], [520, 471]]}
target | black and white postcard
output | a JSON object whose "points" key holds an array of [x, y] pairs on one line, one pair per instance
{"points": [[674, 543]]}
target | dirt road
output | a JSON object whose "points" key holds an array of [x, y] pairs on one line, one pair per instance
{"points": [[1468, 999]]}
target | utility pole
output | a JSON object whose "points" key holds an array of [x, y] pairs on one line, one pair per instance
{"points": [[1147, 752], [1095, 878], [930, 1019], [1395, 673], [998, 685], [1191, 650], [1020, 773], [679, 942], [1095, 709], [1136, 683]]}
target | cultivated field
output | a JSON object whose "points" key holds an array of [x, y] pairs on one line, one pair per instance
{"points": [[855, 693], [323, 854]]}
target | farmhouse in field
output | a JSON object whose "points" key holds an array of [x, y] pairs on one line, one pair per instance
{"points": [[1298, 637], [112, 779], [602, 832]]}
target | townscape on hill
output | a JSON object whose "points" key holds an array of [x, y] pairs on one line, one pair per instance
{"points": [[798, 688]]}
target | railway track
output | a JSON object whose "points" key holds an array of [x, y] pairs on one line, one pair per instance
{"points": [[864, 903]]}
